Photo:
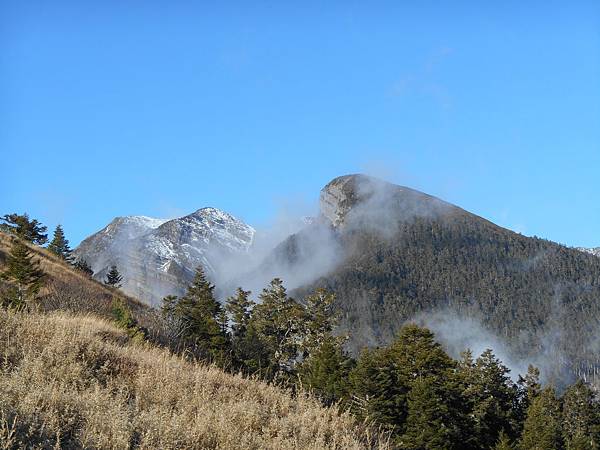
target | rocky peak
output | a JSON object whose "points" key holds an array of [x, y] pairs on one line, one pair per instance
{"points": [[158, 257], [211, 226], [340, 195], [363, 200], [132, 226]]}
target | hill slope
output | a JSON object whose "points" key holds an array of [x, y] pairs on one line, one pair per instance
{"points": [[409, 256], [69, 289], [71, 379], [78, 382]]}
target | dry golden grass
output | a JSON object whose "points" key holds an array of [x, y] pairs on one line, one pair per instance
{"points": [[78, 382]]}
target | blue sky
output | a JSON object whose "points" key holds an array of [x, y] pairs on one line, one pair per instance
{"points": [[160, 108]]}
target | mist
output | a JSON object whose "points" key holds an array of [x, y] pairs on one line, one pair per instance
{"points": [[301, 248]]}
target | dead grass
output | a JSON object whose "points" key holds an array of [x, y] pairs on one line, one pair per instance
{"points": [[77, 382]]}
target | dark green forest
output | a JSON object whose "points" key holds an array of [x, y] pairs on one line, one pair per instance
{"points": [[535, 295]]}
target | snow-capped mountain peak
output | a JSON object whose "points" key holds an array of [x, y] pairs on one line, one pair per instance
{"points": [[157, 257]]}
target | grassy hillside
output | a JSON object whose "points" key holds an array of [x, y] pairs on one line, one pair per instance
{"points": [[78, 382], [70, 289]]}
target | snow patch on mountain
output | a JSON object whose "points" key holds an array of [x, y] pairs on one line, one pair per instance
{"points": [[158, 257], [594, 251]]}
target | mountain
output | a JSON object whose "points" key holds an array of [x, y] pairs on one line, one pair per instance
{"points": [[392, 255], [158, 257], [399, 255], [593, 251]]}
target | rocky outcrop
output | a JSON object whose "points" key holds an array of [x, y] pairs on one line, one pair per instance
{"points": [[362, 201]]}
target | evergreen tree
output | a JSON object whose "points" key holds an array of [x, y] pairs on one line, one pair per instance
{"points": [[325, 371], [277, 320], [430, 374], [319, 320], [326, 366], [113, 277], [417, 354], [581, 427], [239, 308], [491, 396], [198, 313], [29, 230], [378, 395], [60, 245], [223, 321], [124, 318], [83, 266], [24, 275], [504, 442], [168, 305], [529, 385], [529, 388], [542, 427], [383, 380], [433, 420], [245, 345]]}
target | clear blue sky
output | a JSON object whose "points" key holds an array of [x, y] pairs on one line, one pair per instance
{"points": [[159, 108]]}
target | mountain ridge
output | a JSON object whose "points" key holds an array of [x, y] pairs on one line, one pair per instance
{"points": [[158, 257], [393, 254]]}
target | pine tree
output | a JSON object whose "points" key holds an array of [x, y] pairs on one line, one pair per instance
{"points": [[60, 245], [581, 426], [29, 230], [383, 380], [326, 365], [542, 428], [125, 320], [113, 277], [24, 274], [319, 320], [83, 266], [492, 398], [239, 308], [378, 395], [421, 363], [433, 421], [277, 320], [417, 354], [244, 345], [325, 371], [529, 388], [529, 385], [198, 313]]}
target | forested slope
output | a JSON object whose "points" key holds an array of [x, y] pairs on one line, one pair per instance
{"points": [[541, 298]]}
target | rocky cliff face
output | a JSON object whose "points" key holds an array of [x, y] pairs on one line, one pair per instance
{"points": [[337, 198], [360, 201], [158, 257]]}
